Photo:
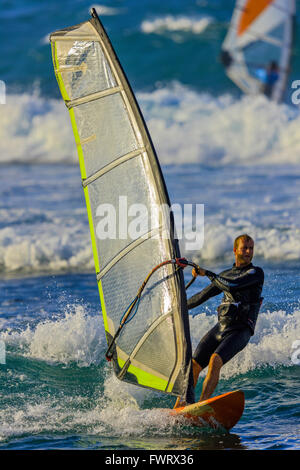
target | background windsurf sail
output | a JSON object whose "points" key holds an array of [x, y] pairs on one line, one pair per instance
{"points": [[119, 167], [260, 34]]}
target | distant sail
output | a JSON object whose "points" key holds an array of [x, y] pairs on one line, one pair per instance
{"points": [[256, 51], [118, 164]]}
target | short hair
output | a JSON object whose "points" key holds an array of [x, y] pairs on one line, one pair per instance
{"points": [[245, 236]]}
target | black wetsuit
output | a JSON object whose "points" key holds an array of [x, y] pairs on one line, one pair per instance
{"points": [[237, 314]]}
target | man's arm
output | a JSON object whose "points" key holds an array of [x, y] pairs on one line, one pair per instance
{"points": [[249, 278], [203, 296]]}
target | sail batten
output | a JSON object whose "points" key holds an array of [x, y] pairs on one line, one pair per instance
{"points": [[92, 97], [128, 249], [115, 163], [118, 162]]}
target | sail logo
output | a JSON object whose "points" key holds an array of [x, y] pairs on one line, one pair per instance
{"points": [[296, 94], [2, 92], [137, 221]]}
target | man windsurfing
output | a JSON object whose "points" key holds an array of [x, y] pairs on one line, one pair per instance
{"points": [[268, 76], [241, 286]]}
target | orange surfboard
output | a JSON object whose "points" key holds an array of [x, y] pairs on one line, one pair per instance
{"points": [[224, 410]]}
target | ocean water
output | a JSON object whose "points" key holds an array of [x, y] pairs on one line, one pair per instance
{"points": [[238, 156]]}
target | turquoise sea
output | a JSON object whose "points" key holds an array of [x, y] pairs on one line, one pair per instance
{"points": [[238, 156]]}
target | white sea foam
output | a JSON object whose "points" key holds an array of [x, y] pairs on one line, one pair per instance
{"points": [[53, 246], [56, 247], [123, 411], [35, 130], [119, 410], [219, 130], [103, 10], [112, 413], [79, 338], [45, 39], [270, 243], [63, 244], [56, 238], [170, 23], [75, 338]]}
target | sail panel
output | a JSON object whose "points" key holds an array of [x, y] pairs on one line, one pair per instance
{"points": [[157, 297], [156, 331], [113, 139], [117, 160], [252, 11], [158, 358], [82, 65], [115, 205]]}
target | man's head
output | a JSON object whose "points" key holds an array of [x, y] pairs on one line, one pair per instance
{"points": [[243, 249]]}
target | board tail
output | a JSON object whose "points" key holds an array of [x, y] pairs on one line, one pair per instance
{"points": [[222, 411]]}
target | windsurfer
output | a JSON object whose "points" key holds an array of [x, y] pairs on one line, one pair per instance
{"points": [[241, 286], [271, 79], [268, 76]]}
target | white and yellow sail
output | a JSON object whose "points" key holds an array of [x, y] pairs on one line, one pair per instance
{"points": [[117, 159], [260, 33]]}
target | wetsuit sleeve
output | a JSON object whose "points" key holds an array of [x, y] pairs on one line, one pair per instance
{"points": [[247, 279], [203, 296]]}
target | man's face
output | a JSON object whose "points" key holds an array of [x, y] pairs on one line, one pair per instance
{"points": [[244, 252]]}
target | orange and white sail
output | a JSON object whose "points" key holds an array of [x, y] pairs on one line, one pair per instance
{"points": [[260, 38]]}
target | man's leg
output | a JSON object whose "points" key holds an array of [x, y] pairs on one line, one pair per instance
{"points": [[230, 345], [212, 378], [196, 371]]}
